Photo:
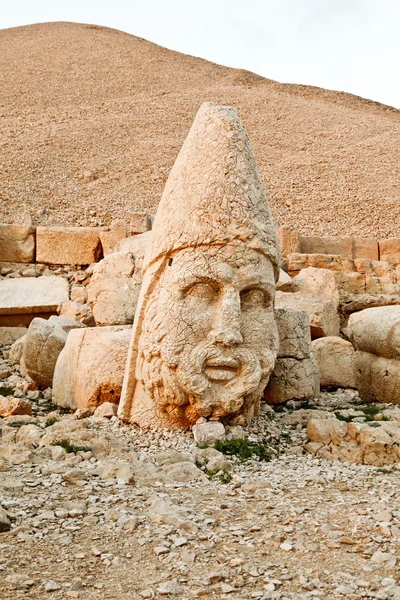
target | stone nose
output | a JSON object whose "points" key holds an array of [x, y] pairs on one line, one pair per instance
{"points": [[226, 330]]}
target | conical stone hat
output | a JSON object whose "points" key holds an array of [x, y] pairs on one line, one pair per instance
{"points": [[214, 193]]}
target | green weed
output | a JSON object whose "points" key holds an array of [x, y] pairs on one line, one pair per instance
{"points": [[68, 447], [244, 449]]}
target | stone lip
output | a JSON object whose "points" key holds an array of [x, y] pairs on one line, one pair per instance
{"points": [[32, 295]]}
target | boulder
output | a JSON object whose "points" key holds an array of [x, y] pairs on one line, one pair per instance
{"points": [[208, 433], [376, 331], [77, 312], [351, 303], [294, 333], [17, 350], [377, 378], [17, 243], [10, 406], [107, 410], [25, 297], [292, 379], [323, 314], [9, 335], [110, 238], [317, 282], [68, 245], [90, 369], [114, 288], [42, 346], [284, 283], [336, 362], [136, 244], [139, 223]]}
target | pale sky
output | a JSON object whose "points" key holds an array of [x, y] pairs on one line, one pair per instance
{"points": [[346, 45]]}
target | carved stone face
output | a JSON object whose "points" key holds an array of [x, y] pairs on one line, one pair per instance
{"points": [[209, 339]]}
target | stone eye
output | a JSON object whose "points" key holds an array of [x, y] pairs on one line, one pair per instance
{"points": [[255, 297], [202, 291]]}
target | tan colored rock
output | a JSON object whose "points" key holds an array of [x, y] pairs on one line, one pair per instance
{"points": [[297, 262], [17, 243], [137, 244], [9, 335], [78, 294], [365, 248], [323, 315], [90, 369], [327, 245], [68, 245], [378, 378], [139, 223], [294, 333], [284, 283], [376, 330], [289, 241], [114, 287], [317, 282], [10, 406], [351, 303], [204, 336], [110, 238], [320, 430], [107, 410], [336, 361], [42, 346], [17, 350], [293, 379], [389, 251], [77, 312], [31, 295], [208, 433]]}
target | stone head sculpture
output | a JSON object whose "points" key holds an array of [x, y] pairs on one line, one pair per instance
{"points": [[204, 338]]}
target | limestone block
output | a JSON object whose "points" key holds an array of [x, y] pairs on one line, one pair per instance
{"points": [[139, 223], [29, 295], [284, 283], [114, 288], [137, 244], [296, 262], [294, 333], [90, 369], [17, 243], [10, 406], [77, 312], [323, 315], [320, 430], [353, 283], [365, 248], [43, 344], [317, 282], [292, 379], [9, 335], [378, 378], [68, 245], [336, 361], [351, 303], [389, 251], [377, 331], [327, 245], [289, 241], [110, 238]]}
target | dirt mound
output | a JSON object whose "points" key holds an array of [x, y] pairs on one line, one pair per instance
{"points": [[92, 120]]}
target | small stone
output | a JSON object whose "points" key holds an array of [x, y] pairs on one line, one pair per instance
{"points": [[106, 410], [160, 550], [344, 590], [52, 586], [384, 516], [10, 406], [208, 433], [286, 546], [5, 523]]}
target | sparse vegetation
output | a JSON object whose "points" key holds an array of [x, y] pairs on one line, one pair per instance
{"points": [[222, 474], [244, 449], [69, 447], [6, 391], [18, 424], [50, 421]]}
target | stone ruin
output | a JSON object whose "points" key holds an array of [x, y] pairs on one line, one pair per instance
{"points": [[220, 320]]}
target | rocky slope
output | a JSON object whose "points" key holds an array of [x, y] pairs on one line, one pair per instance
{"points": [[92, 120]]}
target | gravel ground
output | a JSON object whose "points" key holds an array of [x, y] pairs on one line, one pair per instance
{"points": [[134, 514], [92, 120]]}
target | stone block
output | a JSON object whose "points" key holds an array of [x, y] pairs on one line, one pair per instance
{"points": [[377, 378], [336, 362], [90, 369], [110, 238], [23, 298], [17, 243], [10, 406], [77, 312], [139, 223], [376, 331], [294, 333], [323, 314], [327, 245], [317, 282], [289, 241], [68, 245], [284, 283], [9, 335], [365, 248], [293, 379], [296, 262], [389, 251]]}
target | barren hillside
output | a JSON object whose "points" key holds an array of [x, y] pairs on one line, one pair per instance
{"points": [[81, 98]]}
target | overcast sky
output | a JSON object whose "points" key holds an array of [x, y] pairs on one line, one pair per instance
{"points": [[347, 45]]}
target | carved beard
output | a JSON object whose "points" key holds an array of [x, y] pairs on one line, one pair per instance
{"points": [[178, 385]]}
